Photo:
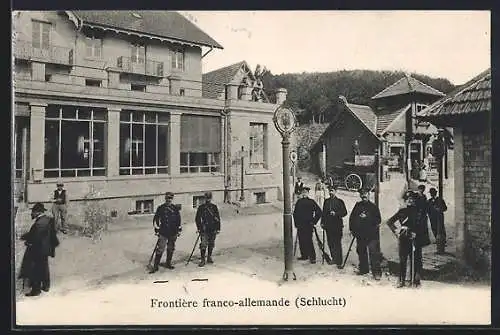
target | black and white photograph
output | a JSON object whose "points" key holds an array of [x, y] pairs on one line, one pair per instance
{"points": [[247, 168]]}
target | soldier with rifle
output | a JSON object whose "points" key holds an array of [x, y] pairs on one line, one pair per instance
{"points": [[364, 224], [412, 236], [305, 215], [167, 226], [208, 226], [333, 211]]}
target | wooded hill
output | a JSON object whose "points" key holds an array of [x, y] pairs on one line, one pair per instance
{"points": [[314, 96]]}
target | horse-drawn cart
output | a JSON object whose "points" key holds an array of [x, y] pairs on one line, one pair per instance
{"points": [[355, 175]]}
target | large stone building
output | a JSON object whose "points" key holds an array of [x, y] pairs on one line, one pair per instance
{"points": [[468, 110], [116, 100]]}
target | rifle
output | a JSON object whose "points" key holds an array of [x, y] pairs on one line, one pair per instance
{"points": [[321, 246], [194, 247], [348, 252], [152, 254]]}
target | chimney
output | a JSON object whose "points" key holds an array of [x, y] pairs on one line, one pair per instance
{"points": [[232, 91], [281, 95]]}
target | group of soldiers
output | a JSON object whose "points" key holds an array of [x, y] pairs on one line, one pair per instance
{"points": [[409, 224]]}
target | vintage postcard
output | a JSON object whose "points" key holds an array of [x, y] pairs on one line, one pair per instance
{"points": [[251, 168]]}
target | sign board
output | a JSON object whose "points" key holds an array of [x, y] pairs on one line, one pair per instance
{"points": [[364, 160], [293, 156]]}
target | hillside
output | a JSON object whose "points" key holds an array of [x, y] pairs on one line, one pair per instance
{"points": [[314, 96]]}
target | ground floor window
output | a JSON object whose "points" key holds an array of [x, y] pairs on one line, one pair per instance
{"points": [[74, 141], [143, 143], [200, 144]]}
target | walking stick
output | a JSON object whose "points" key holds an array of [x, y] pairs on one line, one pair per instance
{"points": [[412, 269], [323, 260], [348, 251], [153, 253], [295, 244], [194, 247]]}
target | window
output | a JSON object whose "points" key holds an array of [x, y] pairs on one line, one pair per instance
{"points": [[40, 35], [74, 141], [93, 47], [260, 197], [93, 82], [200, 143], [198, 200], [258, 146], [178, 60], [138, 87], [48, 77], [143, 207], [143, 142], [138, 53], [420, 107], [182, 92]]}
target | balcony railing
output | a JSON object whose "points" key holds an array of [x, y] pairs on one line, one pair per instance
{"points": [[50, 54], [148, 68]]}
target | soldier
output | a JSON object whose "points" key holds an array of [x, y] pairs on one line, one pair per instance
{"points": [[299, 186], [411, 234], [305, 215], [208, 225], [167, 226], [333, 211], [436, 208], [41, 241], [59, 207], [364, 223]]}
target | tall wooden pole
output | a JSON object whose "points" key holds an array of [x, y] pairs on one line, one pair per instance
{"points": [[242, 195], [287, 213]]}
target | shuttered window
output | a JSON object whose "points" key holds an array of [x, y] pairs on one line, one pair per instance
{"points": [[40, 35]]}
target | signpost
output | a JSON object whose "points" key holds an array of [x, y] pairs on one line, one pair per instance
{"points": [[293, 159], [285, 122]]}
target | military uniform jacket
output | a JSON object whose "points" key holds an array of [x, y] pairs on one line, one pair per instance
{"points": [[338, 206], [306, 213], [410, 217], [422, 208], [436, 207], [207, 218], [366, 227], [169, 219]]}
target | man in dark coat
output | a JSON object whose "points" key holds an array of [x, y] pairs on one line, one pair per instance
{"points": [[333, 211], [305, 215], [208, 226], [435, 209], [299, 186], [364, 224], [41, 241], [167, 226], [412, 235]]}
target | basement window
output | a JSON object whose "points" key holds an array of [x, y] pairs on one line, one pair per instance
{"points": [[260, 197], [182, 92], [138, 87], [93, 82], [143, 207], [198, 200]]}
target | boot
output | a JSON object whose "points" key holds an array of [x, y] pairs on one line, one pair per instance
{"points": [[401, 280], [33, 293], [209, 257], [169, 265], [155, 264], [416, 281], [202, 261]]}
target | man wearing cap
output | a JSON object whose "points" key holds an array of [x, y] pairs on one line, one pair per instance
{"points": [[41, 241], [167, 226], [333, 211], [208, 226], [410, 234], [436, 208], [299, 186], [364, 224], [305, 215], [59, 207]]}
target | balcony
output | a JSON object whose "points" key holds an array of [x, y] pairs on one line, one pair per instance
{"points": [[52, 54], [150, 68]]}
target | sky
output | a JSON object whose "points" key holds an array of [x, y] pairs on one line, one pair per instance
{"points": [[445, 44]]}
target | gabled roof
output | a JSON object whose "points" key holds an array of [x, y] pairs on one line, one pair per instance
{"points": [[150, 22], [213, 82], [366, 115], [405, 85], [389, 121], [472, 97]]}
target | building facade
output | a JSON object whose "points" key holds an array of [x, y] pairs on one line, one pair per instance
{"points": [[468, 110], [113, 100]]}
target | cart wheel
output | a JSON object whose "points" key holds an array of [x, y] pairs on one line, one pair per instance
{"points": [[353, 182]]}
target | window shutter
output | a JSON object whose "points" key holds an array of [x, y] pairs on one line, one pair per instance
{"points": [[45, 35], [180, 63], [200, 133], [174, 55], [98, 48], [35, 39]]}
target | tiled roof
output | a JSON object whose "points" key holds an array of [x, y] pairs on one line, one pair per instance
{"points": [[213, 82], [152, 22], [472, 97], [366, 115], [387, 121], [309, 135], [405, 85]]}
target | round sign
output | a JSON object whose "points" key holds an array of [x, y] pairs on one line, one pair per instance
{"points": [[293, 156], [284, 120]]}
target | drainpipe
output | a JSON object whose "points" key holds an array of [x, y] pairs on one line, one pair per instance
{"points": [[225, 114]]}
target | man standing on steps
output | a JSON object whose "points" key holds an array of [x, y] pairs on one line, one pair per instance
{"points": [[208, 225], [333, 211], [59, 207], [364, 224], [167, 225], [305, 215]]}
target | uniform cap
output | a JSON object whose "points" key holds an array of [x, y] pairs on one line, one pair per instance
{"points": [[169, 195], [332, 187], [306, 188], [208, 195], [38, 207], [59, 183]]}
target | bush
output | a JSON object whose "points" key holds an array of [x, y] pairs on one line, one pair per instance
{"points": [[96, 216]]}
